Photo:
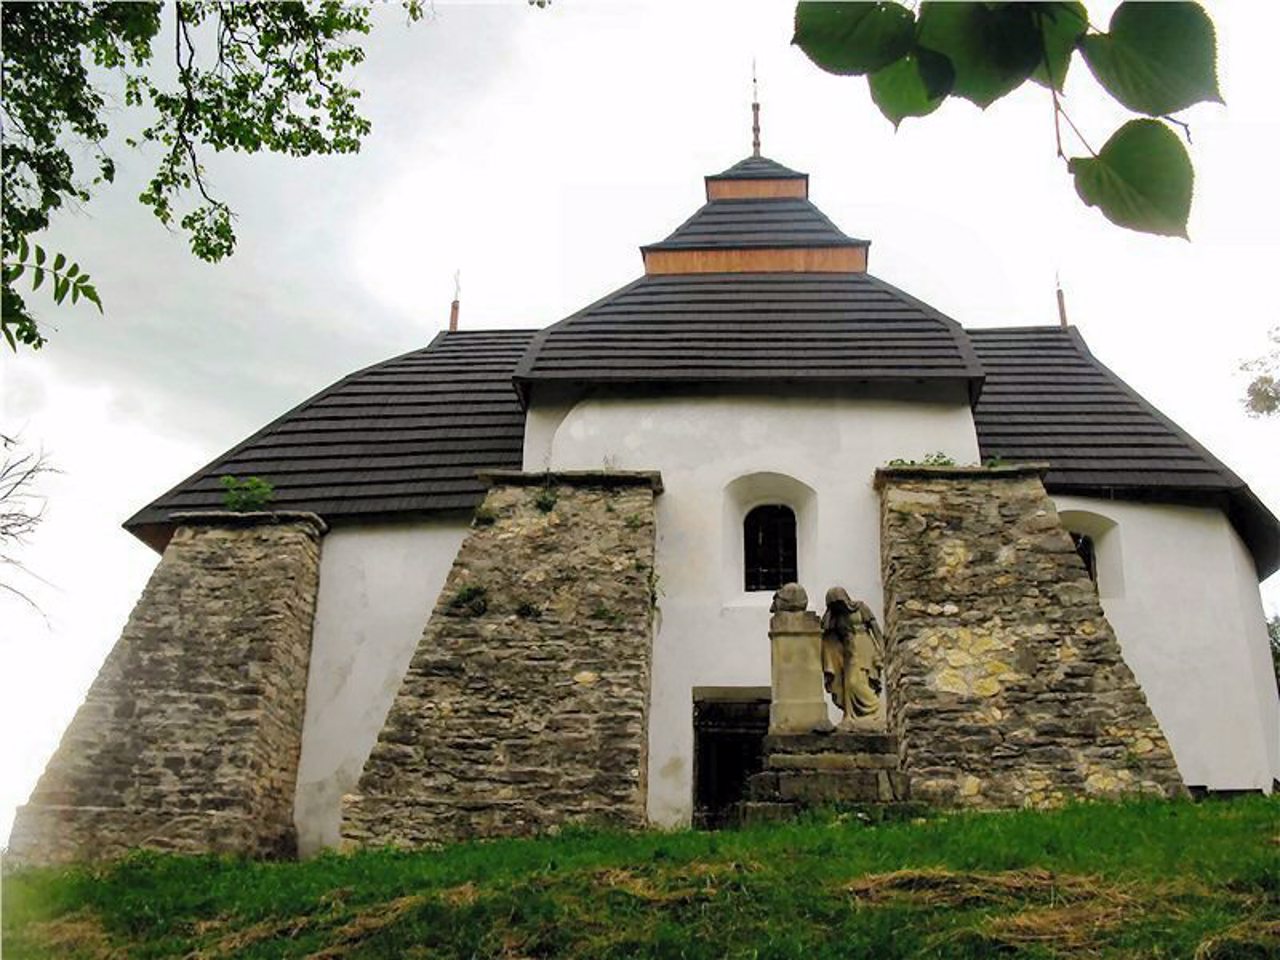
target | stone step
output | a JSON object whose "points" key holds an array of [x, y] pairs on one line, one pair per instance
{"points": [[756, 811], [831, 761], [870, 741], [823, 787]]}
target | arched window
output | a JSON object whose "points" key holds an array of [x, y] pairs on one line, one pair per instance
{"points": [[769, 547]]}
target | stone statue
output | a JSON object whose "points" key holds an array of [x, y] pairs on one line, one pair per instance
{"points": [[852, 658]]}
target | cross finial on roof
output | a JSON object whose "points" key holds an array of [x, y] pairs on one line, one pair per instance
{"points": [[755, 111], [1062, 302]]}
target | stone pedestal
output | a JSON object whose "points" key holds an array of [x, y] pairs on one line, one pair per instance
{"points": [[818, 770], [799, 702]]}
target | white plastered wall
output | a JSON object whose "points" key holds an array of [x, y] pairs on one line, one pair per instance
{"points": [[719, 456], [1180, 589], [378, 585]]}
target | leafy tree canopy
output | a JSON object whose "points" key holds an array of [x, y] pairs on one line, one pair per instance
{"points": [[247, 77], [1262, 396], [1154, 58]]}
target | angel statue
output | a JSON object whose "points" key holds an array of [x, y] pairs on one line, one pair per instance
{"points": [[852, 658]]}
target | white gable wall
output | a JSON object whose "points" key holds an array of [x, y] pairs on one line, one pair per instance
{"points": [[719, 456], [378, 585], [1180, 589]]}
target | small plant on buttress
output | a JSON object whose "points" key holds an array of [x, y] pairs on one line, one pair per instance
{"points": [[484, 517], [471, 600], [244, 495], [936, 459], [546, 499], [607, 614], [528, 611]]}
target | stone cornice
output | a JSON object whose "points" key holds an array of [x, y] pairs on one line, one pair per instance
{"points": [[573, 478], [920, 471], [248, 518]]}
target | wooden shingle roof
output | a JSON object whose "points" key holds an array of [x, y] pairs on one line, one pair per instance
{"points": [[758, 168], [849, 327], [746, 223], [405, 436], [1047, 398]]}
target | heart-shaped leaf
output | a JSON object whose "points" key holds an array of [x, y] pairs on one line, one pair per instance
{"points": [[853, 38], [1142, 179], [993, 48], [1061, 26], [914, 86], [1158, 58]]}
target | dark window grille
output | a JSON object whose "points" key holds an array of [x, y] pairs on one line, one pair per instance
{"points": [[769, 541], [1084, 547]]}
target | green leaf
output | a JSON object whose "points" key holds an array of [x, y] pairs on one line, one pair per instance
{"points": [[13, 272], [60, 285], [853, 38], [38, 278], [75, 294], [1061, 26], [914, 86], [1142, 179], [73, 270], [59, 262], [90, 294], [1158, 58], [23, 249], [39, 255], [992, 47]]}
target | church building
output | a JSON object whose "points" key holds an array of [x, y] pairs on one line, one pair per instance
{"points": [[517, 578]]}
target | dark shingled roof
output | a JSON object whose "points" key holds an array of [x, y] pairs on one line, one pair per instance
{"points": [[751, 327], [1046, 397], [404, 436], [758, 168], [782, 222]]}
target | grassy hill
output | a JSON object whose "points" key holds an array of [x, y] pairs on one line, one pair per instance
{"points": [[1144, 879]]}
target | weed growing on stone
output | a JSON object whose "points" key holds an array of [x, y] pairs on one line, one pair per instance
{"points": [[633, 521], [546, 499], [607, 614], [470, 599], [243, 496], [936, 459], [484, 516], [528, 611]]}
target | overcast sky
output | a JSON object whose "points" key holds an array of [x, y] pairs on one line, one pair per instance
{"points": [[535, 150]]}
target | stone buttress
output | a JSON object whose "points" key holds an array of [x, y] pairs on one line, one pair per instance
{"points": [[1005, 682], [188, 739], [526, 703]]}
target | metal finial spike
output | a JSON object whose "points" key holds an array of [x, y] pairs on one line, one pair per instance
{"points": [[1062, 301], [755, 111], [457, 295]]}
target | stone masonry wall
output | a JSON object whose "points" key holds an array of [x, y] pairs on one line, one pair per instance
{"points": [[1005, 682], [188, 739], [526, 703]]}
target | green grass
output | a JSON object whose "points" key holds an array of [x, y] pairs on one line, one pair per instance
{"points": [[1145, 879]]}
